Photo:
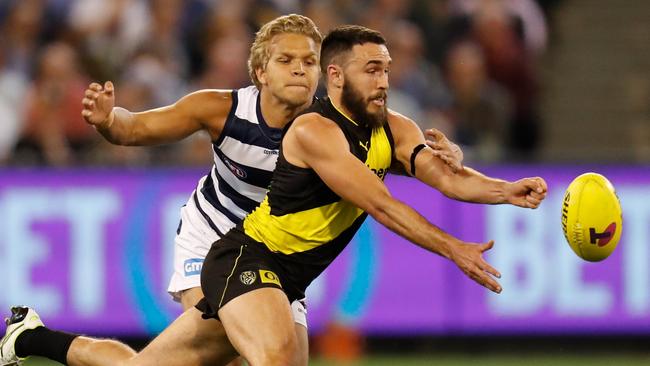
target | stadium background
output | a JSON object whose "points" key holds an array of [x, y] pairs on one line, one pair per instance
{"points": [[552, 88]]}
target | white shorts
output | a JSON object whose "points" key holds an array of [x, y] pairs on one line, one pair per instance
{"points": [[191, 245]]}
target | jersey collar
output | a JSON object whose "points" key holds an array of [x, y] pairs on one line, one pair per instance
{"points": [[341, 112]]}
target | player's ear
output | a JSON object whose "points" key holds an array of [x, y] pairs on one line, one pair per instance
{"points": [[335, 75], [261, 75]]}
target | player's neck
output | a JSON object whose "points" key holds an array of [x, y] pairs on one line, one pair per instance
{"points": [[335, 98], [276, 113]]}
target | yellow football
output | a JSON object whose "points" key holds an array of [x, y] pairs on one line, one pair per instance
{"points": [[591, 217]]}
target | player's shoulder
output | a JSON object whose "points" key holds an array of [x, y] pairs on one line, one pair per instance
{"points": [[314, 128], [207, 104], [401, 125], [316, 134], [313, 120], [397, 119]]}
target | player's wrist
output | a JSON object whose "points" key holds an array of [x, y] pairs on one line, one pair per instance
{"points": [[449, 248], [504, 193], [108, 122]]}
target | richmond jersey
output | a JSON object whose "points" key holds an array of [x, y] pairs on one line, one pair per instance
{"points": [[303, 221]]}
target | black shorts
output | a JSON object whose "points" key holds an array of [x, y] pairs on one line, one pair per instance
{"points": [[235, 265]]}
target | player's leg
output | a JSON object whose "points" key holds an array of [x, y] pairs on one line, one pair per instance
{"points": [[189, 340], [193, 240], [303, 345], [300, 324], [261, 327], [243, 287], [189, 298]]}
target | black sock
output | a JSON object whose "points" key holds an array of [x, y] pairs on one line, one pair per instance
{"points": [[45, 343]]}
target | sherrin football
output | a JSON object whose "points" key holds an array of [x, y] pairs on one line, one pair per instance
{"points": [[591, 217]]}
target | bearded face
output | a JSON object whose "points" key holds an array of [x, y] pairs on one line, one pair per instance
{"points": [[369, 110]]}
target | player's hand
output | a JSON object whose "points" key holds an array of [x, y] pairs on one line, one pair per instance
{"points": [[469, 258], [98, 103], [527, 192], [444, 149]]}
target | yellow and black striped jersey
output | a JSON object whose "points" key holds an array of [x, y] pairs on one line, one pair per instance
{"points": [[304, 220]]}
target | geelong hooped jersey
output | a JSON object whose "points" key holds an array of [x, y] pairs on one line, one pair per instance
{"points": [[301, 219], [244, 158]]}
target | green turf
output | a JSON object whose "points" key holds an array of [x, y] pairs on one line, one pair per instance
{"points": [[459, 360]]}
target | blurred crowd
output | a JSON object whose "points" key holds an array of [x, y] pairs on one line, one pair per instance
{"points": [[467, 67]]}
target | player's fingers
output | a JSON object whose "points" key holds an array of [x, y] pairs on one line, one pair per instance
{"points": [[531, 198], [446, 159], [488, 282], [492, 284], [530, 184], [434, 134], [487, 246], [96, 87], [88, 103], [455, 148], [485, 266], [441, 154], [536, 184], [539, 196], [91, 94], [108, 87], [433, 144], [542, 183], [446, 155], [533, 201], [532, 205]]}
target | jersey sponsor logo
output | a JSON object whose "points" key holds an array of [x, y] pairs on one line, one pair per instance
{"points": [[270, 152], [247, 277], [193, 266], [381, 172], [239, 172], [269, 277]]}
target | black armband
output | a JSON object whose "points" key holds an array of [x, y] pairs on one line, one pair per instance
{"points": [[415, 152]]}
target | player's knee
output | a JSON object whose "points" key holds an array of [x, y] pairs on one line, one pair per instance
{"points": [[281, 352]]}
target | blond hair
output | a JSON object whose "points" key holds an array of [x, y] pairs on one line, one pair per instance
{"points": [[292, 23]]}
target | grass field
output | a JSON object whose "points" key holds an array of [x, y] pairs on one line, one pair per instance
{"points": [[460, 360]]}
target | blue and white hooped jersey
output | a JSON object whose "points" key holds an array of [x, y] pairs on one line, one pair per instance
{"points": [[244, 158]]}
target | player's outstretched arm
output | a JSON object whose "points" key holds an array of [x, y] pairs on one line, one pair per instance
{"points": [[317, 143], [205, 109], [466, 184]]}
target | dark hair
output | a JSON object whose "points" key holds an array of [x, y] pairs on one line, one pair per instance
{"points": [[341, 40]]}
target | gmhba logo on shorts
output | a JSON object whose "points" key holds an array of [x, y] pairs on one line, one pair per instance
{"points": [[269, 277], [247, 277]]}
